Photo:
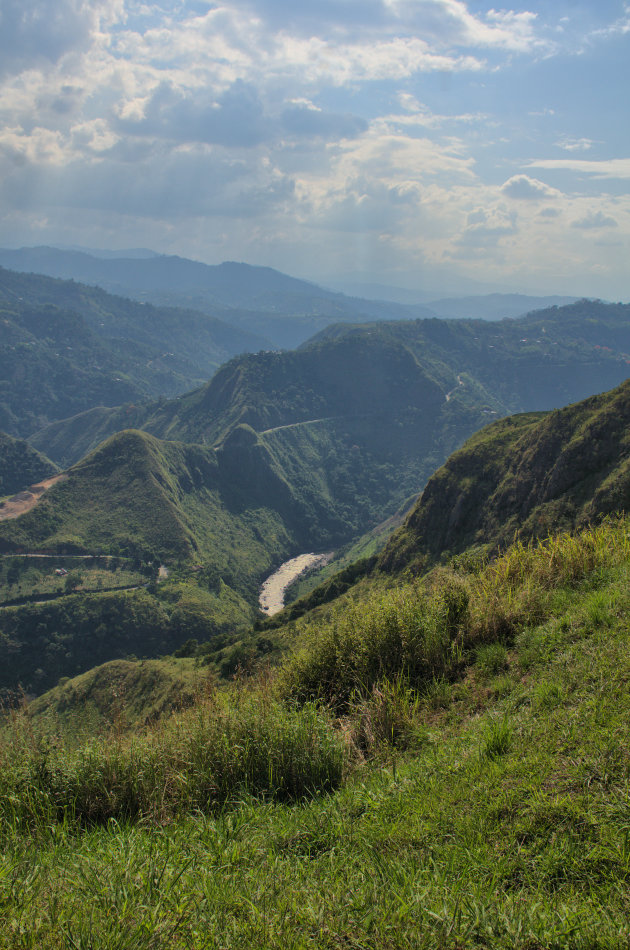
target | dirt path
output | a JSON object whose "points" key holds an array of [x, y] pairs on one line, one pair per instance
{"points": [[272, 592], [25, 500]]}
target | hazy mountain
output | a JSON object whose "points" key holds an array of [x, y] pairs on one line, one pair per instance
{"points": [[494, 306], [260, 300], [360, 373], [66, 347]]}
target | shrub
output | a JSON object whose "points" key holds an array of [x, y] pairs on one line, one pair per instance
{"points": [[386, 717], [405, 633], [202, 759]]}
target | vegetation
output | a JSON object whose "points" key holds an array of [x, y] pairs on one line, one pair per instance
{"points": [[385, 384], [67, 348], [481, 801], [521, 477], [35, 578], [119, 696], [21, 465]]}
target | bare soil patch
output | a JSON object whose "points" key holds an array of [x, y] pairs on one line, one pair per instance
{"points": [[19, 504]]}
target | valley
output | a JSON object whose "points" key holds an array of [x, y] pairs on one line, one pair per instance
{"points": [[314, 475], [441, 696], [279, 453]]}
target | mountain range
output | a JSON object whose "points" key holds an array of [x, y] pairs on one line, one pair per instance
{"points": [[284, 310], [285, 452]]}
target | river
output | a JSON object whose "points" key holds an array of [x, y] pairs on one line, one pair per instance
{"points": [[272, 592]]}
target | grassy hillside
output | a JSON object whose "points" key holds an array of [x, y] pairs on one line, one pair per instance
{"points": [[147, 502], [523, 477], [121, 695], [21, 465], [474, 789], [68, 347]]}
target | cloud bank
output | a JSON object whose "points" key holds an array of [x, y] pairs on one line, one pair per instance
{"points": [[391, 137]]}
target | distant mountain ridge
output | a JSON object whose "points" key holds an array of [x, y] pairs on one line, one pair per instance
{"points": [[260, 300], [494, 306], [66, 347], [480, 369]]}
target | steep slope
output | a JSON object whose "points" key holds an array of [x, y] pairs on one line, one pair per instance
{"points": [[138, 496], [522, 477], [21, 465], [122, 693], [220, 519]]}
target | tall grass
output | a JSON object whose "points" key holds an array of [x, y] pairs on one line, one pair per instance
{"points": [[425, 632], [223, 749]]}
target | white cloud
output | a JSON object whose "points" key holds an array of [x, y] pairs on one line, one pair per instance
{"points": [[451, 23], [620, 27], [575, 145], [486, 227], [606, 168], [522, 187]]}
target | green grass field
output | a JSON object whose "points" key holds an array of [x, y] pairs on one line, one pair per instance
{"points": [[472, 795]]}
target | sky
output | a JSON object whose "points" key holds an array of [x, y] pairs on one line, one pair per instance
{"points": [[418, 143]]}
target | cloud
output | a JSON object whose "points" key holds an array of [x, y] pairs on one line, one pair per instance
{"points": [[306, 121], [549, 213], [522, 187], [40, 32], [620, 27], [167, 185], [575, 145], [451, 23], [595, 219], [235, 118], [485, 228], [606, 168]]}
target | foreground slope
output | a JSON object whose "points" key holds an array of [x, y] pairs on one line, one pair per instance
{"points": [[504, 825]]}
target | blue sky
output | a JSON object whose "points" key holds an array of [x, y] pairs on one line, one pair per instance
{"points": [[424, 143]]}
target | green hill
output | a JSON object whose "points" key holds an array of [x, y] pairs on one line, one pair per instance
{"points": [[523, 477], [351, 373], [67, 347], [122, 694], [485, 808], [439, 761], [21, 465]]}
